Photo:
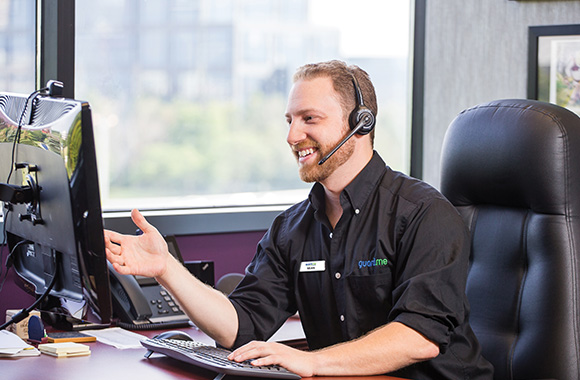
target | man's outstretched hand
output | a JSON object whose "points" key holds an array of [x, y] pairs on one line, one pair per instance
{"points": [[142, 255]]}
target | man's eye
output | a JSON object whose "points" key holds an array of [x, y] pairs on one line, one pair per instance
{"points": [[308, 119]]}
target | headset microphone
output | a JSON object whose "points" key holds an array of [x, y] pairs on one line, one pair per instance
{"points": [[361, 120], [365, 120]]}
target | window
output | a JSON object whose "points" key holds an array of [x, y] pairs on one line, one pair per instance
{"points": [[17, 41], [188, 97]]}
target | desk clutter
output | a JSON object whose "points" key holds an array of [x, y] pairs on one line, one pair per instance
{"points": [[21, 339], [64, 349], [70, 336], [12, 346], [21, 328]]}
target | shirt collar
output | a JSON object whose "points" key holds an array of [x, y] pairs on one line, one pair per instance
{"points": [[358, 191]]}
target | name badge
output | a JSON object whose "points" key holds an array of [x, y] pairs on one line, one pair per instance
{"points": [[313, 266]]}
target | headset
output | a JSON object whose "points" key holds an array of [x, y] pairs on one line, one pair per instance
{"points": [[361, 120]]}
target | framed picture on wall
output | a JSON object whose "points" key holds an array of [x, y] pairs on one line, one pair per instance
{"points": [[554, 65]]}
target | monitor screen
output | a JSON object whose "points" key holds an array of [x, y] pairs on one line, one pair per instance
{"points": [[51, 202]]}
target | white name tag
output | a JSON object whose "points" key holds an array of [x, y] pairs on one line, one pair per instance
{"points": [[313, 266]]}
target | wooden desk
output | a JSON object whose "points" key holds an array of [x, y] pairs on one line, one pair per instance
{"points": [[108, 363]]}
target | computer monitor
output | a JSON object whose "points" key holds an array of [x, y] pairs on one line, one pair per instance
{"points": [[51, 203]]}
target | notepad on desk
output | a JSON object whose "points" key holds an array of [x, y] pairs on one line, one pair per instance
{"points": [[11, 345], [65, 349]]}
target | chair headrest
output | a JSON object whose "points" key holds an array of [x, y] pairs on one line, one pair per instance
{"points": [[513, 152]]}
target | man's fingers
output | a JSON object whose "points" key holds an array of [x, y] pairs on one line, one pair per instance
{"points": [[121, 269], [112, 237], [117, 260], [113, 249], [247, 352], [267, 360], [140, 221]]}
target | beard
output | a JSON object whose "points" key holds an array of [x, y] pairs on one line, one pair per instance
{"points": [[312, 172]]}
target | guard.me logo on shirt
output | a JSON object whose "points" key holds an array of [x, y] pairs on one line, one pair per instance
{"points": [[372, 263]]}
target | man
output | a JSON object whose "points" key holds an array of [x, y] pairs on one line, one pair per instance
{"points": [[374, 261]]}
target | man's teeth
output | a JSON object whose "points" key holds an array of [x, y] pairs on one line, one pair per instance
{"points": [[305, 152]]}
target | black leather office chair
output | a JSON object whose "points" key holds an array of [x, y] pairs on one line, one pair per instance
{"points": [[512, 169]]}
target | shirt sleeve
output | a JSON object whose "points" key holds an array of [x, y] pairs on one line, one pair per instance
{"points": [[431, 273], [263, 299]]}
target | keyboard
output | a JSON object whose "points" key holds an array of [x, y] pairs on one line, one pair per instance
{"points": [[212, 358]]}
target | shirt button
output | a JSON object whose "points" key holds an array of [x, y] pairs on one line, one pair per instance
{"points": [[342, 318], [330, 235], [337, 275], [357, 211]]}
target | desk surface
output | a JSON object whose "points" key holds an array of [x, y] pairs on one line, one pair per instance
{"points": [[107, 362]]}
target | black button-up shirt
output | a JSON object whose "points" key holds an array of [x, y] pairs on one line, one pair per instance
{"points": [[398, 253]]}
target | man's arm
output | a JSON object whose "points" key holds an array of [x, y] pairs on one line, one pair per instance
{"points": [[207, 307], [148, 255], [385, 349]]}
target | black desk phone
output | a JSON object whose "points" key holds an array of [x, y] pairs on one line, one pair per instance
{"points": [[140, 303]]}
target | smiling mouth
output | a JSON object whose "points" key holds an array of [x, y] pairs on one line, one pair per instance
{"points": [[305, 152]]}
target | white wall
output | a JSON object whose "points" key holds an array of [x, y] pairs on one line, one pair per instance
{"points": [[477, 51]]}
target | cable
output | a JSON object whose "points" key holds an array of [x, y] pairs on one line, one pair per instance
{"points": [[16, 141], [9, 259], [2, 245], [25, 312], [154, 325], [30, 99]]}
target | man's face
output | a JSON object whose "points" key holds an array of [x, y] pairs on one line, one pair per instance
{"points": [[316, 125]]}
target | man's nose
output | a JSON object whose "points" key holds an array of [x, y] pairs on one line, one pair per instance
{"points": [[296, 133]]}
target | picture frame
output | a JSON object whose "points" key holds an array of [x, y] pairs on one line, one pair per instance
{"points": [[554, 65]]}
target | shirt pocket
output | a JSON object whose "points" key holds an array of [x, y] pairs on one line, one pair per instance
{"points": [[371, 298]]}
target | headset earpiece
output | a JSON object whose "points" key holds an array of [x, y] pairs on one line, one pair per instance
{"points": [[361, 120], [361, 113]]}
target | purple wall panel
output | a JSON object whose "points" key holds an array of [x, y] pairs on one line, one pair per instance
{"points": [[12, 295], [230, 252]]}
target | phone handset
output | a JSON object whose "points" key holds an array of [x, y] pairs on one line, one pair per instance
{"points": [[129, 302]]}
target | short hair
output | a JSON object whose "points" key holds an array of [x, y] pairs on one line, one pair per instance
{"points": [[341, 75]]}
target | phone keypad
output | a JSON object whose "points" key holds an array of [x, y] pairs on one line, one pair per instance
{"points": [[161, 302]]}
